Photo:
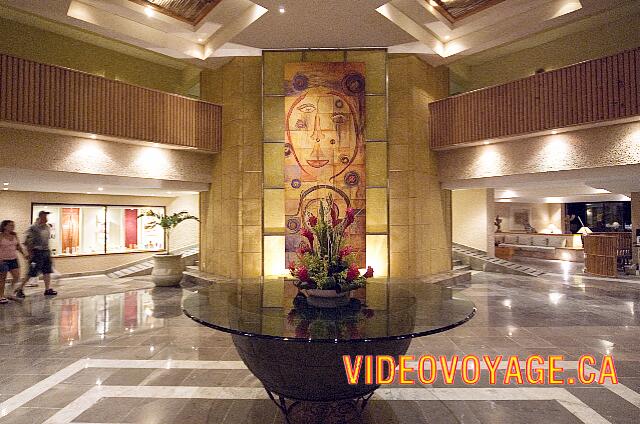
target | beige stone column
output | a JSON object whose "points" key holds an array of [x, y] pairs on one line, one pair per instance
{"points": [[231, 213], [419, 210]]}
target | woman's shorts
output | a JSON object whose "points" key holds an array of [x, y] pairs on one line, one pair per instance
{"points": [[9, 265]]}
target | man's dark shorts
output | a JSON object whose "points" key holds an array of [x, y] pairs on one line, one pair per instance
{"points": [[40, 263]]}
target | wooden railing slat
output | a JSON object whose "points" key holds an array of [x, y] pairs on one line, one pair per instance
{"points": [[594, 91], [33, 93]]}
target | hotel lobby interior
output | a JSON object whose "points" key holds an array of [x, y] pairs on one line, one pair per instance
{"points": [[288, 211]]}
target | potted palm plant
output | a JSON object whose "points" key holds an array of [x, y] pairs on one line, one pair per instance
{"points": [[167, 268]]}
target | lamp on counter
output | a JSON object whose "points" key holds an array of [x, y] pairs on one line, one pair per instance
{"points": [[583, 229]]}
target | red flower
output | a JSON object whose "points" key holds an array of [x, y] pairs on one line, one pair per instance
{"points": [[313, 220], [351, 213], [369, 272], [302, 250], [292, 267], [303, 274], [352, 273], [308, 235], [345, 251], [334, 215]]}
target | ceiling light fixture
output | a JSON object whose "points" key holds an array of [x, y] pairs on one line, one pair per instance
{"points": [[200, 40], [446, 37], [554, 132], [100, 189], [486, 143], [148, 10], [6, 184], [5, 189], [93, 136], [88, 192], [281, 9]]}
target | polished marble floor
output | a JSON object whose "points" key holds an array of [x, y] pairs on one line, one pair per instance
{"points": [[122, 352]]}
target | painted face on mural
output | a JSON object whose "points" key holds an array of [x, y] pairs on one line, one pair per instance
{"points": [[324, 147], [321, 134]]}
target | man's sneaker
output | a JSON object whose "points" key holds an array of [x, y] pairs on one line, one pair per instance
{"points": [[19, 294], [50, 292]]}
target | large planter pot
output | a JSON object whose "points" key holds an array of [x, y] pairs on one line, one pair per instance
{"points": [[167, 270], [327, 298]]}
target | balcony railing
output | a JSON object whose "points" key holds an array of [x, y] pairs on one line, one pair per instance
{"points": [[37, 94], [599, 90]]}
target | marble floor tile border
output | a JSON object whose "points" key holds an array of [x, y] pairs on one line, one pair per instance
{"points": [[574, 405], [93, 395]]}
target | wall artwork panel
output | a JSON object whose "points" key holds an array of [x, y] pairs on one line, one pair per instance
{"points": [[324, 146]]}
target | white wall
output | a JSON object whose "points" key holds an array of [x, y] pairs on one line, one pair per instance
{"points": [[186, 233], [472, 218], [542, 215]]}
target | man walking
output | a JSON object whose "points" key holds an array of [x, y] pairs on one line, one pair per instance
{"points": [[37, 243]]}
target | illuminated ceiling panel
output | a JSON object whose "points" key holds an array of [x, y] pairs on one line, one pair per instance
{"points": [[190, 11], [454, 10]]}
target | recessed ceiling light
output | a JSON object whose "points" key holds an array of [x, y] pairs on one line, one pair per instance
{"points": [[486, 143], [200, 40], [446, 37], [88, 192], [281, 9], [149, 11], [93, 136], [169, 192], [5, 189], [554, 132], [100, 189], [5, 183]]}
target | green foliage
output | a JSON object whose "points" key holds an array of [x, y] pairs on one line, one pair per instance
{"points": [[167, 222]]}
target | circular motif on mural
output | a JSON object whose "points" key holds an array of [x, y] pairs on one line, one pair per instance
{"points": [[344, 158], [295, 183], [287, 150], [353, 83], [339, 103], [293, 224], [338, 118], [300, 82], [332, 141], [351, 178]]}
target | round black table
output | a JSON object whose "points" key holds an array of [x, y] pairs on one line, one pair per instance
{"points": [[296, 350]]}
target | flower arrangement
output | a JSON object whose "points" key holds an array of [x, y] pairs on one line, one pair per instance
{"points": [[325, 261]]}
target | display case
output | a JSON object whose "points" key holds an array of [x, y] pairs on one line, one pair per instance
{"points": [[100, 229]]}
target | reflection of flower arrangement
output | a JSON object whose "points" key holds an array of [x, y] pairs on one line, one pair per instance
{"points": [[325, 262], [327, 323]]}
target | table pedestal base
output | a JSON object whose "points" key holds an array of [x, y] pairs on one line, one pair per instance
{"points": [[338, 412]]}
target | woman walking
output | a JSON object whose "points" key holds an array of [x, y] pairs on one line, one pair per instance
{"points": [[9, 248]]}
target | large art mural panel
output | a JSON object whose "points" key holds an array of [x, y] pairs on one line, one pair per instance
{"points": [[324, 146]]}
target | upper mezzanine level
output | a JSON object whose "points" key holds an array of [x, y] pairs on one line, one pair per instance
{"points": [[49, 97], [596, 92]]}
